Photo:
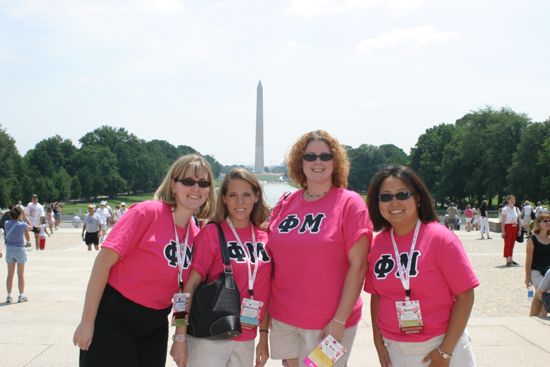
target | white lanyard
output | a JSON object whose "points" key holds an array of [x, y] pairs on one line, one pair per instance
{"points": [[180, 250], [251, 274], [404, 273]]}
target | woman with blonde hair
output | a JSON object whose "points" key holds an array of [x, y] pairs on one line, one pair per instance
{"points": [[537, 261], [142, 264], [241, 211], [319, 237]]}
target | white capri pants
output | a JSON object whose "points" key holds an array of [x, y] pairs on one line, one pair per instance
{"points": [[404, 354], [484, 226], [219, 353], [289, 342]]}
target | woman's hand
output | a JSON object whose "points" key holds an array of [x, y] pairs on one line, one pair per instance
{"points": [[383, 356], [262, 351], [83, 335], [179, 353], [436, 360], [528, 280], [334, 328]]}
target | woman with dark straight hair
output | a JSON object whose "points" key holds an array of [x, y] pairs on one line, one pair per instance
{"points": [[420, 278]]}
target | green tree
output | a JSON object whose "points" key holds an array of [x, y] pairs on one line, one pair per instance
{"points": [[427, 157], [10, 170], [365, 161], [97, 171], [129, 151]]}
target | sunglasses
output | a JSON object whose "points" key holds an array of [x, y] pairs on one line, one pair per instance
{"points": [[402, 195], [189, 182], [311, 157]]}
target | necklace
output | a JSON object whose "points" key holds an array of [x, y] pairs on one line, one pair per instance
{"points": [[311, 196]]}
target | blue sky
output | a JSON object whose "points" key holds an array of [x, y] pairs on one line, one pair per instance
{"points": [[368, 71]]}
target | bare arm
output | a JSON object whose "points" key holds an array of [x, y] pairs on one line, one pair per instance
{"points": [[383, 355], [353, 283], [262, 348], [529, 248], [96, 285], [179, 349]]}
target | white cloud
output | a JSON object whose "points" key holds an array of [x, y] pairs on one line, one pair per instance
{"points": [[84, 8], [295, 45], [311, 8], [404, 42], [314, 8]]}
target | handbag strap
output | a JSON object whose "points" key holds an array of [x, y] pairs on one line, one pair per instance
{"points": [[225, 253]]}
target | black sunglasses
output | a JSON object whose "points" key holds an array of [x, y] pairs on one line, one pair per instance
{"points": [[402, 195], [311, 157], [189, 182]]}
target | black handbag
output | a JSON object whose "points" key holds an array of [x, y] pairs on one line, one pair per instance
{"points": [[216, 307], [519, 236]]}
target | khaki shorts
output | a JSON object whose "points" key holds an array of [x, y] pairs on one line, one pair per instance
{"points": [[289, 342], [219, 353]]}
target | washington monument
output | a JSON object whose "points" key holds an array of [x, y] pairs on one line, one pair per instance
{"points": [[259, 161]]}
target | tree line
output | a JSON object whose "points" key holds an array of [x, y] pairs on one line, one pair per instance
{"points": [[485, 154], [109, 162]]}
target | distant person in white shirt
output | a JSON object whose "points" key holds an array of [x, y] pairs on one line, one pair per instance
{"points": [[35, 212], [120, 212], [76, 221], [104, 215]]}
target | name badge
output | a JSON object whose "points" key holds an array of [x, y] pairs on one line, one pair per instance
{"points": [[409, 317], [326, 354], [180, 309], [250, 313]]}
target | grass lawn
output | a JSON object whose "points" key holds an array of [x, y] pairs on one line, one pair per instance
{"points": [[80, 208]]}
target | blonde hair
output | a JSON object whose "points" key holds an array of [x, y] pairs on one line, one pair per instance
{"points": [[536, 227], [185, 166], [260, 211], [340, 158]]}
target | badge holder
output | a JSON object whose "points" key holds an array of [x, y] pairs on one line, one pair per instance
{"points": [[409, 316], [250, 313], [326, 354], [180, 309]]}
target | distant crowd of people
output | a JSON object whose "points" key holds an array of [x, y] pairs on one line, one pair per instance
{"points": [[516, 224], [19, 223]]}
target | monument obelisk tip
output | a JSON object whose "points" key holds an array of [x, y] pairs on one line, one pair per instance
{"points": [[259, 156]]}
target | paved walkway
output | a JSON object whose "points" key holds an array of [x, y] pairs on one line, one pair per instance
{"points": [[39, 333]]}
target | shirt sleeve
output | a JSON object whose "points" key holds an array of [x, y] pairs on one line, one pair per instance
{"points": [[455, 266], [204, 250], [129, 230], [355, 221]]}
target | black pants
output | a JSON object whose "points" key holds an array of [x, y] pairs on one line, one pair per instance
{"points": [[127, 334]]}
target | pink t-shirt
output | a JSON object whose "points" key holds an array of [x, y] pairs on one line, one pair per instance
{"points": [[468, 213], [440, 270], [207, 261], [310, 241], [144, 238]]}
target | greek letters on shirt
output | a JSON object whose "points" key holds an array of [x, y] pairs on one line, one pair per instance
{"points": [[237, 254], [309, 223], [385, 265], [171, 256]]}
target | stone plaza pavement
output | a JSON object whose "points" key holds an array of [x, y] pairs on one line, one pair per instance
{"points": [[39, 333]]}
